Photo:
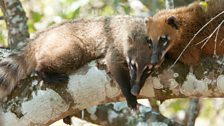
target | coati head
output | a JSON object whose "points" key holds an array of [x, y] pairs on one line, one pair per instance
{"points": [[139, 66], [162, 34]]}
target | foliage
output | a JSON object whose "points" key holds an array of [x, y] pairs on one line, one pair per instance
{"points": [[3, 32]]}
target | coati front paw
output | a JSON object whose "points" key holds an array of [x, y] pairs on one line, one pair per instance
{"points": [[53, 77], [132, 102]]}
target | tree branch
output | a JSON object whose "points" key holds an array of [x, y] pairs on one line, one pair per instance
{"points": [[35, 103], [193, 111]]}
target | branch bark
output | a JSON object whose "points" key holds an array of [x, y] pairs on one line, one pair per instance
{"points": [[16, 22], [34, 103]]}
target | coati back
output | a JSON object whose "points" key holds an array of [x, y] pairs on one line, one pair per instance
{"points": [[169, 31], [60, 50]]}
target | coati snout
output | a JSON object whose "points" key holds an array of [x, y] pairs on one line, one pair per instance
{"points": [[158, 48], [139, 82], [138, 74]]}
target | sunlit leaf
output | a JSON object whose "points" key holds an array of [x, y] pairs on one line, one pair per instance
{"points": [[204, 5], [36, 16]]}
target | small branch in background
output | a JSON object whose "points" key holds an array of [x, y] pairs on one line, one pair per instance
{"points": [[2, 18], [16, 22], [193, 111], [118, 114], [169, 4], [154, 105], [2, 7]]}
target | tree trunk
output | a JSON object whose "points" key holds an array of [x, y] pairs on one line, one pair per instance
{"points": [[169, 4], [192, 112], [16, 22]]}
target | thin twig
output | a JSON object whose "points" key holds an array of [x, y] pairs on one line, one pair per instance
{"points": [[221, 42], [195, 36], [216, 37], [207, 38], [202, 41], [216, 29]]}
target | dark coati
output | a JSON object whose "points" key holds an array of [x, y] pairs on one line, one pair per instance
{"points": [[60, 50], [169, 31]]}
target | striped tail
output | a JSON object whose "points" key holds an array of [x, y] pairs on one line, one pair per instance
{"points": [[14, 68]]}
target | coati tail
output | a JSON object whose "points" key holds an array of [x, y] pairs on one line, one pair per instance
{"points": [[14, 68]]}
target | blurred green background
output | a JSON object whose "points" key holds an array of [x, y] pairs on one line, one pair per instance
{"points": [[43, 13]]}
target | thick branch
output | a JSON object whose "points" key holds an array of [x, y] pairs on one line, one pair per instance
{"points": [[35, 103]]}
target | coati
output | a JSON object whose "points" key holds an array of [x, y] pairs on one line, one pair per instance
{"points": [[60, 50], [169, 31]]}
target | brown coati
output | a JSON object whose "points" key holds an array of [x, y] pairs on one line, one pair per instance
{"points": [[169, 31], [60, 50]]}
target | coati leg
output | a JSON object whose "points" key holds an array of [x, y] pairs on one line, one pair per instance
{"points": [[120, 72], [121, 75], [53, 77], [50, 75]]}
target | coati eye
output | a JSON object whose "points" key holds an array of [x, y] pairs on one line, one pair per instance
{"points": [[133, 66], [149, 41], [164, 40]]}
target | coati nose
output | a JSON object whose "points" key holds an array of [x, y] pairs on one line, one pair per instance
{"points": [[154, 60], [135, 89]]}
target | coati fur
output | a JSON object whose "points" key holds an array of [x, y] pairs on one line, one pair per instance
{"points": [[60, 50], [169, 31]]}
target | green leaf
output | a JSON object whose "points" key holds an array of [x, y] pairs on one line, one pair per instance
{"points": [[31, 28], [204, 5], [36, 16], [108, 10], [126, 8]]}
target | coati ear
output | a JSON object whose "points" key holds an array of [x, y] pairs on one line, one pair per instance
{"points": [[171, 20]]}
